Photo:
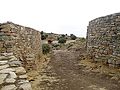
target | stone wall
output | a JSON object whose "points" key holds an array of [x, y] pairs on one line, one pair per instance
{"points": [[24, 42], [103, 39], [20, 52], [12, 74]]}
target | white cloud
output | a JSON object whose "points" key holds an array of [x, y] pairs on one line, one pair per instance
{"points": [[59, 16]]}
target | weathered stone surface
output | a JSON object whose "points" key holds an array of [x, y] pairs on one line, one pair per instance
{"points": [[15, 63], [7, 70], [23, 76], [2, 78], [22, 82], [6, 54], [103, 39], [12, 75], [118, 62], [10, 80], [26, 86], [23, 42], [13, 58], [20, 50], [4, 66], [3, 58], [9, 87], [20, 70], [3, 62]]}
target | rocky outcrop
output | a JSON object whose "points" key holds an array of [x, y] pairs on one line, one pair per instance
{"points": [[103, 39], [20, 52]]}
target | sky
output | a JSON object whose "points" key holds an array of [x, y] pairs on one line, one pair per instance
{"points": [[56, 16]]}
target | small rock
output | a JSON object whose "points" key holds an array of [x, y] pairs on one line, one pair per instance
{"points": [[119, 81], [26, 86], [20, 70], [112, 65], [12, 75], [115, 78], [2, 78], [15, 63], [102, 89], [13, 58], [7, 70], [3, 62], [4, 66], [22, 81], [23, 76], [9, 87], [118, 62], [109, 61], [3, 58], [7, 54], [10, 80]]}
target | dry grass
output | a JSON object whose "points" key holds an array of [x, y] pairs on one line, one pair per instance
{"points": [[100, 68]]}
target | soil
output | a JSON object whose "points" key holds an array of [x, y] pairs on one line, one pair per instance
{"points": [[65, 71]]}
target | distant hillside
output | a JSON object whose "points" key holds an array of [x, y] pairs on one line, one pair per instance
{"points": [[54, 36]]}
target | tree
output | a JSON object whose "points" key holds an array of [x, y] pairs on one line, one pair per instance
{"points": [[45, 48], [72, 36], [41, 32], [43, 35], [62, 35]]}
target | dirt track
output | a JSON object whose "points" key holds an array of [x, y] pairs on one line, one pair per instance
{"points": [[63, 73]]}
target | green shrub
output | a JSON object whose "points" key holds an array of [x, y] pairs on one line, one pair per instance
{"points": [[43, 35], [82, 39], [62, 40], [72, 36], [45, 48]]}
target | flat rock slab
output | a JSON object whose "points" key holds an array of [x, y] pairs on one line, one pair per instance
{"points": [[4, 66], [9, 87], [26, 86], [2, 78]]}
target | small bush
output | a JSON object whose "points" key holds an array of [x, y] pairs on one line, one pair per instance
{"points": [[44, 36], [62, 40], [72, 36], [82, 39], [45, 48]]}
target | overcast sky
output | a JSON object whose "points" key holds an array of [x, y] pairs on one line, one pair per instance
{"points": [[57, 16]]}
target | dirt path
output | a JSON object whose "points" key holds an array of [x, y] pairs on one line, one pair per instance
{"points": [[63, 73]]}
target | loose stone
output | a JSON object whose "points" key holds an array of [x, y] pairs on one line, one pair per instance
{"points": [[23, 76], [9, 87], [7, 70], [3, 62], [20, 70], [10, 80], [2, 78], [15, 63], [4, 66], [26, 86], [12, 75]]}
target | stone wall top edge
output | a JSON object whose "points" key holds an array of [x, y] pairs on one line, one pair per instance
{"points": [[104, 17], [8, 22]]}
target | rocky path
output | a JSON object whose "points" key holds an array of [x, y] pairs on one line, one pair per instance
{"points": [[62, 72]]}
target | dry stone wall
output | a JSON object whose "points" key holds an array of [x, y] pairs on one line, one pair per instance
{"points": [[103, 39], [20, 52], [24, 42], [12, 74]]}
